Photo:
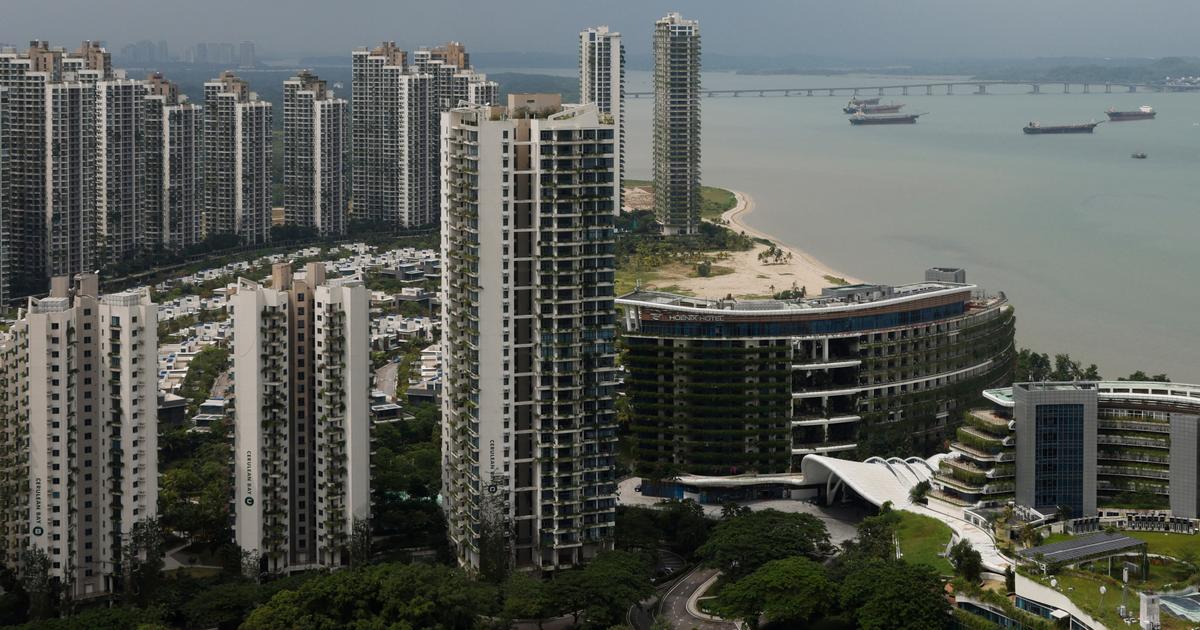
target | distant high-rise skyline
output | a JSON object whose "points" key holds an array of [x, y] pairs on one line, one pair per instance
{"points": [[398, 98], [676, 138]]}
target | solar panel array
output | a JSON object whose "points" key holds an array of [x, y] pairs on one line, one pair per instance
{"points": [[1081, 548]]}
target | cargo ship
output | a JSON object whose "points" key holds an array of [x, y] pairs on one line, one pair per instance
{"points": [[1145, 112], [1036, 128], [884, 119]]}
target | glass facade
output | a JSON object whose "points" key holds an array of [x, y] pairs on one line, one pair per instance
{"points": [[1059, 457]]}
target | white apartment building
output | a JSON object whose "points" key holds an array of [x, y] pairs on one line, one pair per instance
{"points": [[78, 432], [314, 137], [602, 81], [677, 124], [301, 361], [174, 174], [397, 105], [237, 160], [528, 423]]}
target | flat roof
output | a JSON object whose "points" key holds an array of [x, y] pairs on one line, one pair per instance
{"points": [[844, 297], [1076, 549]]}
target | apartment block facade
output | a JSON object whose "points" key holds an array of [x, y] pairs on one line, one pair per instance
{"points": [[528, 419], [301, 436], [174, 172], [78, 432], [398, 101], [120, 171], [602, 81], [51, 207], [314, 136], [676, 139], [237, 160]]}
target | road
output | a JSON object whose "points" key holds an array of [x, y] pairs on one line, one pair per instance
{"points": [[673, 606], [385, 379]]}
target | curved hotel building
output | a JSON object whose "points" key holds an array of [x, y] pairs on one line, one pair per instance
{"points": [[736, 387]]}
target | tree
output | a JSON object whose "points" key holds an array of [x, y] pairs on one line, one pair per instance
{"points": [[604, 590], [203, 371], [790, 591], [877, 535], [730, 509], [223, 606], [526, 598], [637, 528], [741, 545], [683, 526], [967, 561], [43, 590], [918, 492], [360, 542], [1031, 366], [142, 562], [1142, 376], [1010, 580], [383, 595], [895, 595]]}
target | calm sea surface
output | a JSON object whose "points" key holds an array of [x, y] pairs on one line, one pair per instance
{"points": [[1100, 253]]}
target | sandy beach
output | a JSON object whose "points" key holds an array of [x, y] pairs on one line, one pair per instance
{"points": [[748, 275]]}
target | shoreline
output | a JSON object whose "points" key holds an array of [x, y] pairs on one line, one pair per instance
{"points": [[736, 216], [743, 274]]}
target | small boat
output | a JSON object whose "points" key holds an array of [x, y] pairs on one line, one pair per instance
{"points": [[1138, 156], [1145, 112], [856, 102], [1034, 128], [884, 119], [890, 108]]}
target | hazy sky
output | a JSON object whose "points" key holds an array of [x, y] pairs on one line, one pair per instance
{"points": [[842, 28]]}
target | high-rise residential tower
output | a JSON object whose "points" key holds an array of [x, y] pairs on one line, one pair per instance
{"points": [[314, 135], [4, 210], [677, 124], [237, 160], [174, 191], [397, 103], [50, 211], [120, 167], [301, 359], [602, 81], [78, 432], [528, 422]]}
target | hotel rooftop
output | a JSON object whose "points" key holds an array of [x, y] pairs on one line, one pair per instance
{"points": [[853, 295]]}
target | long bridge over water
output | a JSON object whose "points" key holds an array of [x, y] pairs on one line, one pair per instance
{"points": [[929, 89]]}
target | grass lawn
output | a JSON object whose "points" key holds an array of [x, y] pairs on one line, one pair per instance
{"points": [[713, 201], [1083, 588], [922, 538]]}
